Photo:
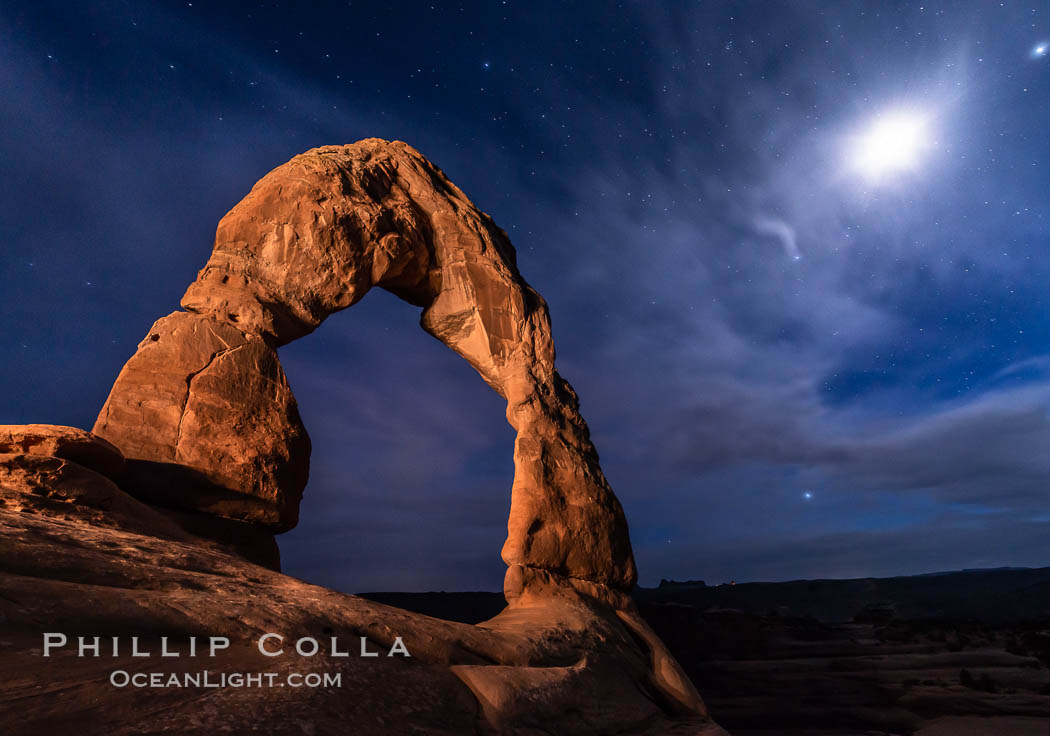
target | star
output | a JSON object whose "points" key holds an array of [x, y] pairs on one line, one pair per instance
{"points": [[1040, 50], [807, 495]]}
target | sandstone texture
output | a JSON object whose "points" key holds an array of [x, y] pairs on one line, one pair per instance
{"points": [[68, 443], [204, 414], [216, 460], [555, 666], [55, 488], [80, 556], [205, 394], [58, 488]]}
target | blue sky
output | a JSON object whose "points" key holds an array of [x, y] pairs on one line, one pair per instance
{"points": [[747, 315]]}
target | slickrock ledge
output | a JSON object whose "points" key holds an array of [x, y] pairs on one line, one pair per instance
{"points": [[68, 443]]}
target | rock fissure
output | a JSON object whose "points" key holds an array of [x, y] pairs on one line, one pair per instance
{"points": [[189, 389]]}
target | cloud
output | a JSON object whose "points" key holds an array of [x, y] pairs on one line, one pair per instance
{"points": [[989, 451], [782, 232]]}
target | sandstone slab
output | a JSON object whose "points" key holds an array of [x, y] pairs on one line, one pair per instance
{"points": [[61, 489], [69, 443], [559, 665]]}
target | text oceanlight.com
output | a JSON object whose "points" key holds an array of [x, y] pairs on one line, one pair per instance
{"points": [[122, 678]]}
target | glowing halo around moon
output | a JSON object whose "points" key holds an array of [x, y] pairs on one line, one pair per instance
{"points": [[894, 143]]}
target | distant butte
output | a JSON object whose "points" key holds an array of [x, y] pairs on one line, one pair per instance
{"points": [[161, 521]]}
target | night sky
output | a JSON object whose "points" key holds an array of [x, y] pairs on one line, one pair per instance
{"points": [[796, 257]]}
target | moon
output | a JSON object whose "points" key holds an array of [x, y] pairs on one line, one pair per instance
{"points": [[893, 143]]}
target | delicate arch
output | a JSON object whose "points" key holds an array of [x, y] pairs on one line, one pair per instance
{"points": [[205, 402]]}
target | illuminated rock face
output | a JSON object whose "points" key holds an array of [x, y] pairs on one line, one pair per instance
{"points": [[68, 443], [204, 413], [207, 422], [202, 425]]}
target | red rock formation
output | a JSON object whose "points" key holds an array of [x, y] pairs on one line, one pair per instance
{"points": [[67, 443], [556, 666], [311, 238], [207, 422], [64, 473], [62, 489], [204, 414]]}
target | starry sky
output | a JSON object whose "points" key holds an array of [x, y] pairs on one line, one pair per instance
{"points": [[796, 257]]}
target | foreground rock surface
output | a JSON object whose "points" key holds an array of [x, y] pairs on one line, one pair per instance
{"points": [[68, 443], [61, 489], [554, 666]]}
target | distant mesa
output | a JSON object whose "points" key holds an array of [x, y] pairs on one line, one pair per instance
{"points": [[670, 585], [163, 518]]}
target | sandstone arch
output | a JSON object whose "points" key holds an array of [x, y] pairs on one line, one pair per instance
{"points": [[206, 418]]}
